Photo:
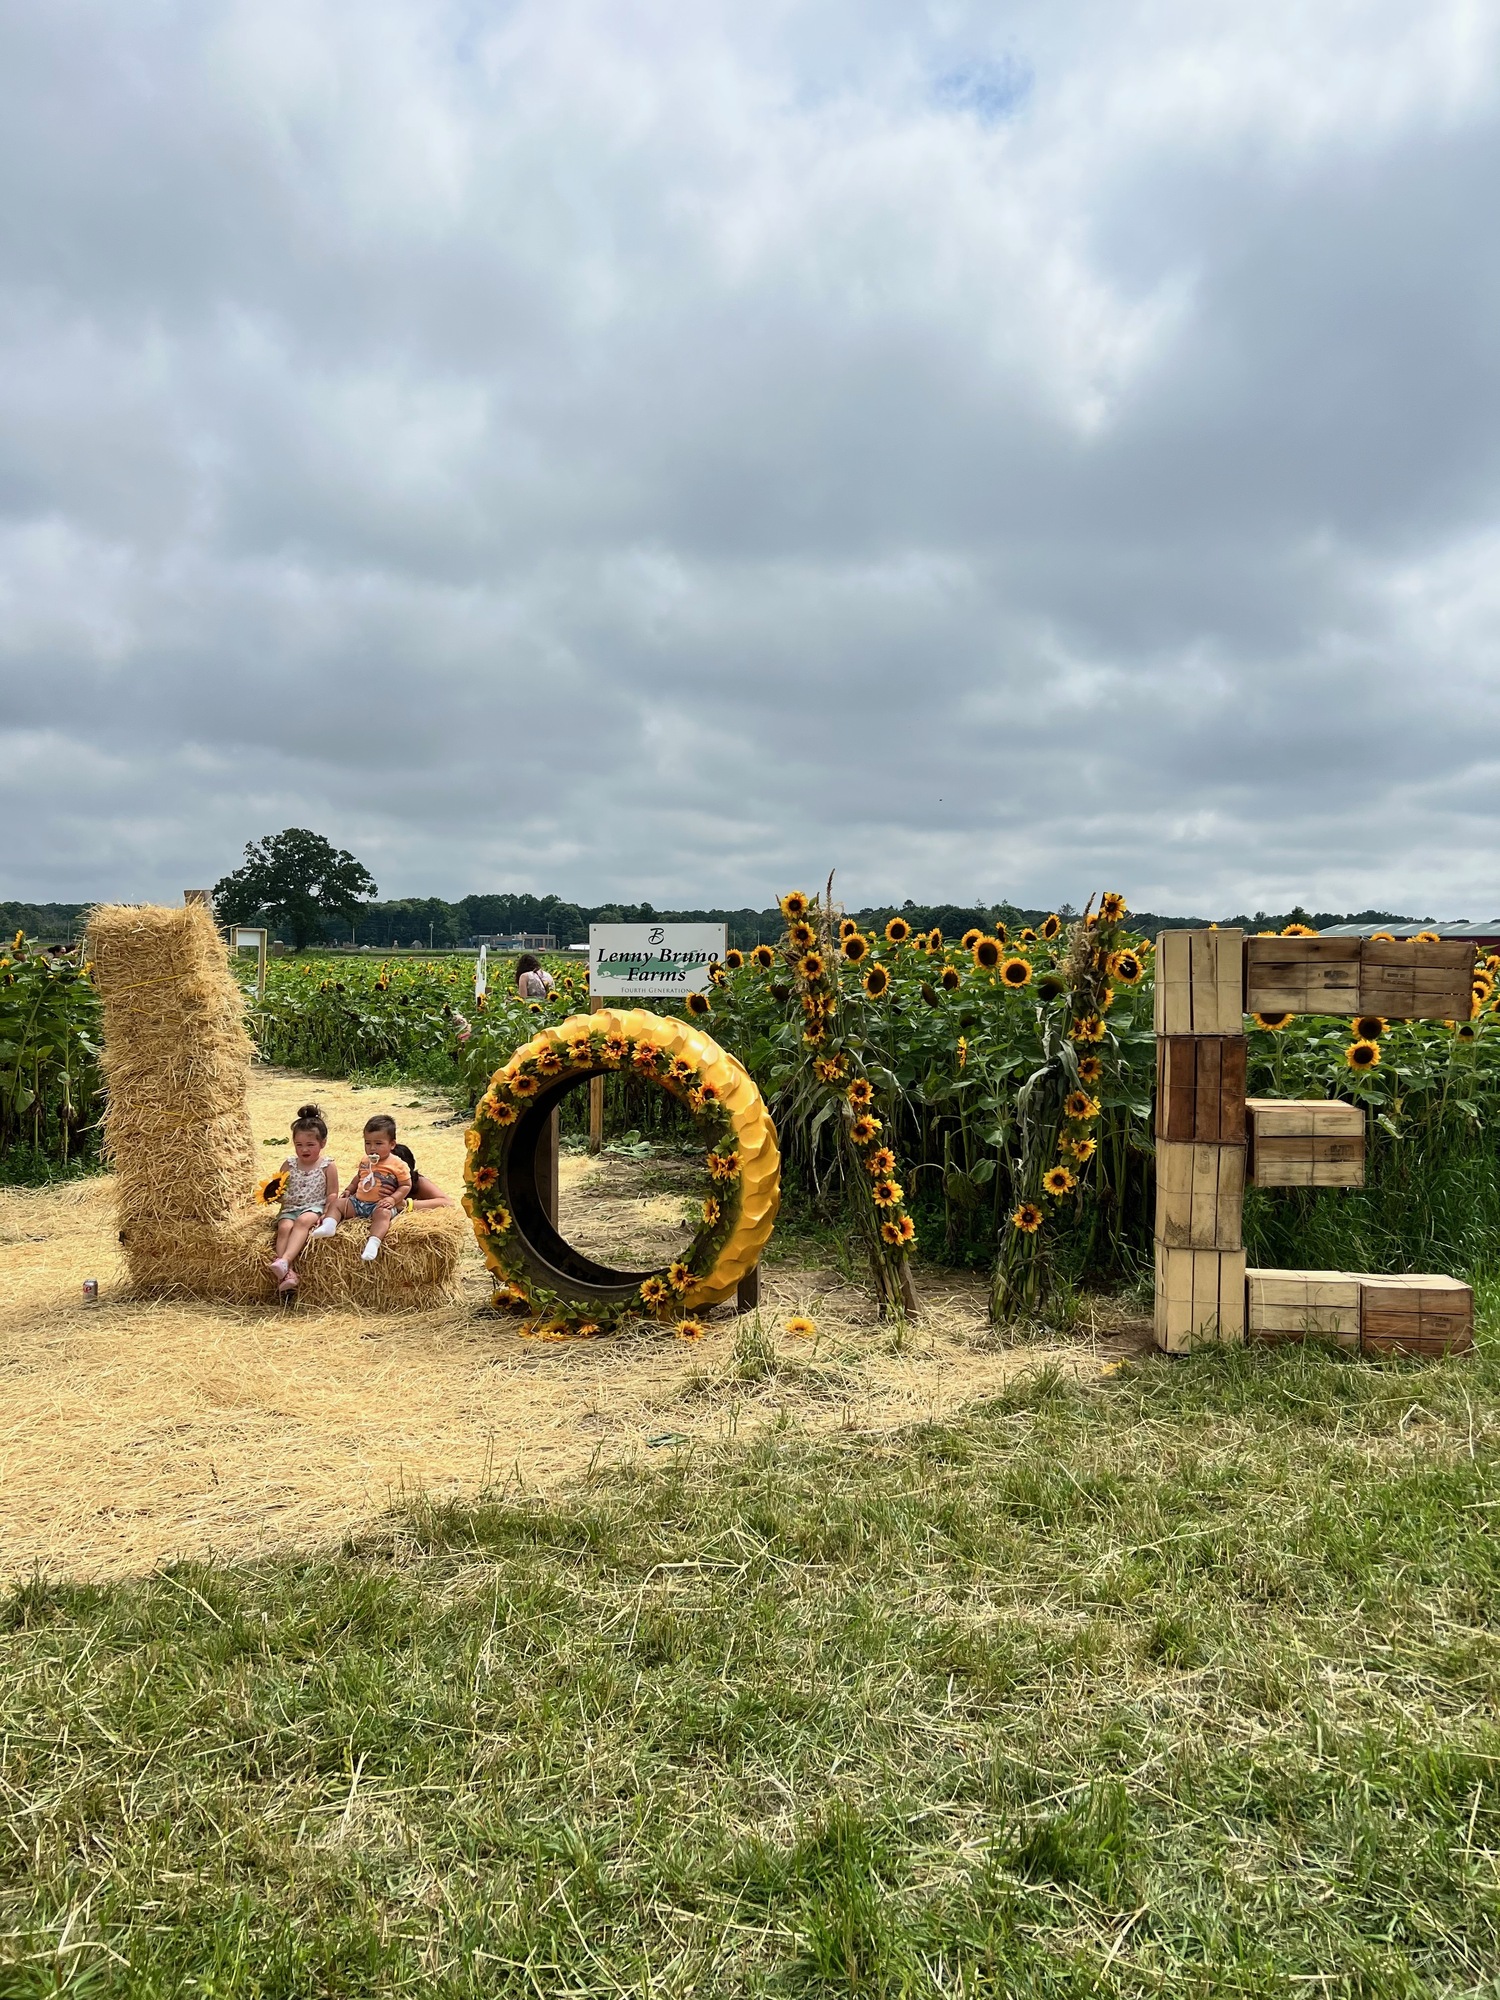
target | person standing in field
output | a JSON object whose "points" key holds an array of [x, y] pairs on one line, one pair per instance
{"points": [[533, 981]]}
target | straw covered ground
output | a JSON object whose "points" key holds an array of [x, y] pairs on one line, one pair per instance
{"points": [[134, 1431]]}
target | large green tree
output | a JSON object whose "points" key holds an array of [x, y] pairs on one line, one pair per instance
{"points": [[297, 881]]}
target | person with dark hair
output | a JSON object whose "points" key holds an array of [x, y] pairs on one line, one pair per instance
{"points": [[533, 980], [425, 1192], [310, 1188], [377, 1189]]}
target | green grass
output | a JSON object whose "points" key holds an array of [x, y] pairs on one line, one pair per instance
{"points": [[1183, 1684]]}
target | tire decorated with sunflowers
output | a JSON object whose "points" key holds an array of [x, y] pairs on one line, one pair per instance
{"points": [[531, 1261]]}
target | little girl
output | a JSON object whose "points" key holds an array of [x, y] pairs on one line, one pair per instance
{"points": [[312, 1184]]}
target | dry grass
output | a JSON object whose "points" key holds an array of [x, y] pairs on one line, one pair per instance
{"points": [[133, 1431]]}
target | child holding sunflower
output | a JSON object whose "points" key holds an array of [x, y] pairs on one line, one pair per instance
{"points": [[309, 1187]]}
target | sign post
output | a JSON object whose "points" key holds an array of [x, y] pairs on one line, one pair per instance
{"points": [[249, 937], [646, 962]]}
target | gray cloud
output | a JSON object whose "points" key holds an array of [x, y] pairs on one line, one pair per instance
{"points": [[994, 451]]}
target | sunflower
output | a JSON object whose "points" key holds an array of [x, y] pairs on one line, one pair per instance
{"points": [[655, 1291], [1082, 1149], [1015, 973], [881, 1162], [1027, 1218], [272, 1190], [1492, 963], [1427, 937], [763, 957], [679, 1277], [711, 1210], [734, 959], [717, 974], [1090, 1069], [855, 947], [800, 1327], [499, 1220], [877, 979], [724, 1166], [1089, 1029], [680, 1069], [1126, 967], [951, 979], [969, 939], [1298, 930], [1464, 1031], [1111, 906], [616, 1048], [524, 1086], [847, 927], [887, 1193], [1051, 928], [1058, 1181], [1080, 1107], [890, 1230], [907, 1229], [690, 1329], [1051, 986], [828, 1069], [810, 965], [1381, 937], [1027, 936], [897, 931], [864, 1130], [1274, 1022], [986, 953], [814, 1034], [794, 905], [486, 1177], [802, 937], [698, 1004], [861, 1091], [645, 1059], [549, 1062], [1367, 1027], [1362, 1055]]}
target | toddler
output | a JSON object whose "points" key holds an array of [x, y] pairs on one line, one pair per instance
{"points": [[377, 1189], [312, 1185]]}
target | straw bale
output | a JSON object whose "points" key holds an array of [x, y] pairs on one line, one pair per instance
{"points": [[417, 1266], [176, 1065]]}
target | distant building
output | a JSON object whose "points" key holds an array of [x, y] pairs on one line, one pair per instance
{"points": [[518, 941], [1479, 934]]}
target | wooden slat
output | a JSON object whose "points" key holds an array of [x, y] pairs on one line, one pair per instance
{"points": [[1232, 1062], [1229, 948], [1304, 951], [1177, 1070], [1173, 984], [1205, 983], [1295, 1288], [1286, 1117], [1206, 1096]]}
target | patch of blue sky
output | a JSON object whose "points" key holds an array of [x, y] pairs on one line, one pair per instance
{"points": [[987, 90]]}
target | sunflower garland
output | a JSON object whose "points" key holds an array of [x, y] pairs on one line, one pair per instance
{"points": [[740, 1142]]}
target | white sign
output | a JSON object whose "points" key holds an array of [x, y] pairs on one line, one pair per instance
{"points": [[652, 961]]}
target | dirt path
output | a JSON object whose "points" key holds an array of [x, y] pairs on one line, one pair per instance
{"points": [[133, 1432]]}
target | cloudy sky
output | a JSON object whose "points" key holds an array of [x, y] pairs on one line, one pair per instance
{"points": [[659, 451]]}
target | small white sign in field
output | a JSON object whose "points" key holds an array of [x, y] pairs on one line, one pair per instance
{"points": [[652, 961]]}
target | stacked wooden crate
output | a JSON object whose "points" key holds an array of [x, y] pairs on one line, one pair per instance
{"points": [[1304, 1142], [1418, 1314], [1200, 1147], [1212, 1140]]}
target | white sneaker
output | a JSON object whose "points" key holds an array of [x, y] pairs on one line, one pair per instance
{"points": [[371, 1250]]}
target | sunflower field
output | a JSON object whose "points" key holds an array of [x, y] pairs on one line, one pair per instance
{"points": [[49, 1071], [1013, 1080]]}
